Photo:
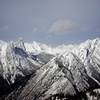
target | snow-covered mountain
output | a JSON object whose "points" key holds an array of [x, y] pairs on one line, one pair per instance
{"points": [[65, 69], [15, 61], [37, 47]]}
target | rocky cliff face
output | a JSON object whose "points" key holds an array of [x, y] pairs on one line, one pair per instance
{"points": [[43, 72]]}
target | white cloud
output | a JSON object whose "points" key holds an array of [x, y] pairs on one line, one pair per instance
{"points": [[63, 26]]}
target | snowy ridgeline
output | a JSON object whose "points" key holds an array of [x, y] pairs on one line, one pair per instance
{"points": [[66, 69]]}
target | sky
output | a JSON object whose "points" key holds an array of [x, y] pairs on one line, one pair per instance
{"points": [[52, 22]]}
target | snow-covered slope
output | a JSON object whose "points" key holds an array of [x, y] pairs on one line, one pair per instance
{"points": [[37, 48], [67, 69], [14, 54], [15, 61], [70, 73]]}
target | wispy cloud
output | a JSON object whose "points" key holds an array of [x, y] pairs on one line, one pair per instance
{"points": [[63, 26]]}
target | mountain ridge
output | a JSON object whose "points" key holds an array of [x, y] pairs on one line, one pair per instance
{"points": [[66, 69]]}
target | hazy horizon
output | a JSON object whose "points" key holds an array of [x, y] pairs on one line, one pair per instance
{"points": [[52, 22]]}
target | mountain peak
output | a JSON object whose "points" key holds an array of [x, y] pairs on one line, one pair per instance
{"points": [[67, 69]]}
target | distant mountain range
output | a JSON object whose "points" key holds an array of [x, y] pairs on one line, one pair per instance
{"points": [[36, 71]]}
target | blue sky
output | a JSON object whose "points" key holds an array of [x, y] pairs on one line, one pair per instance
{"points": [[50, 21]]}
